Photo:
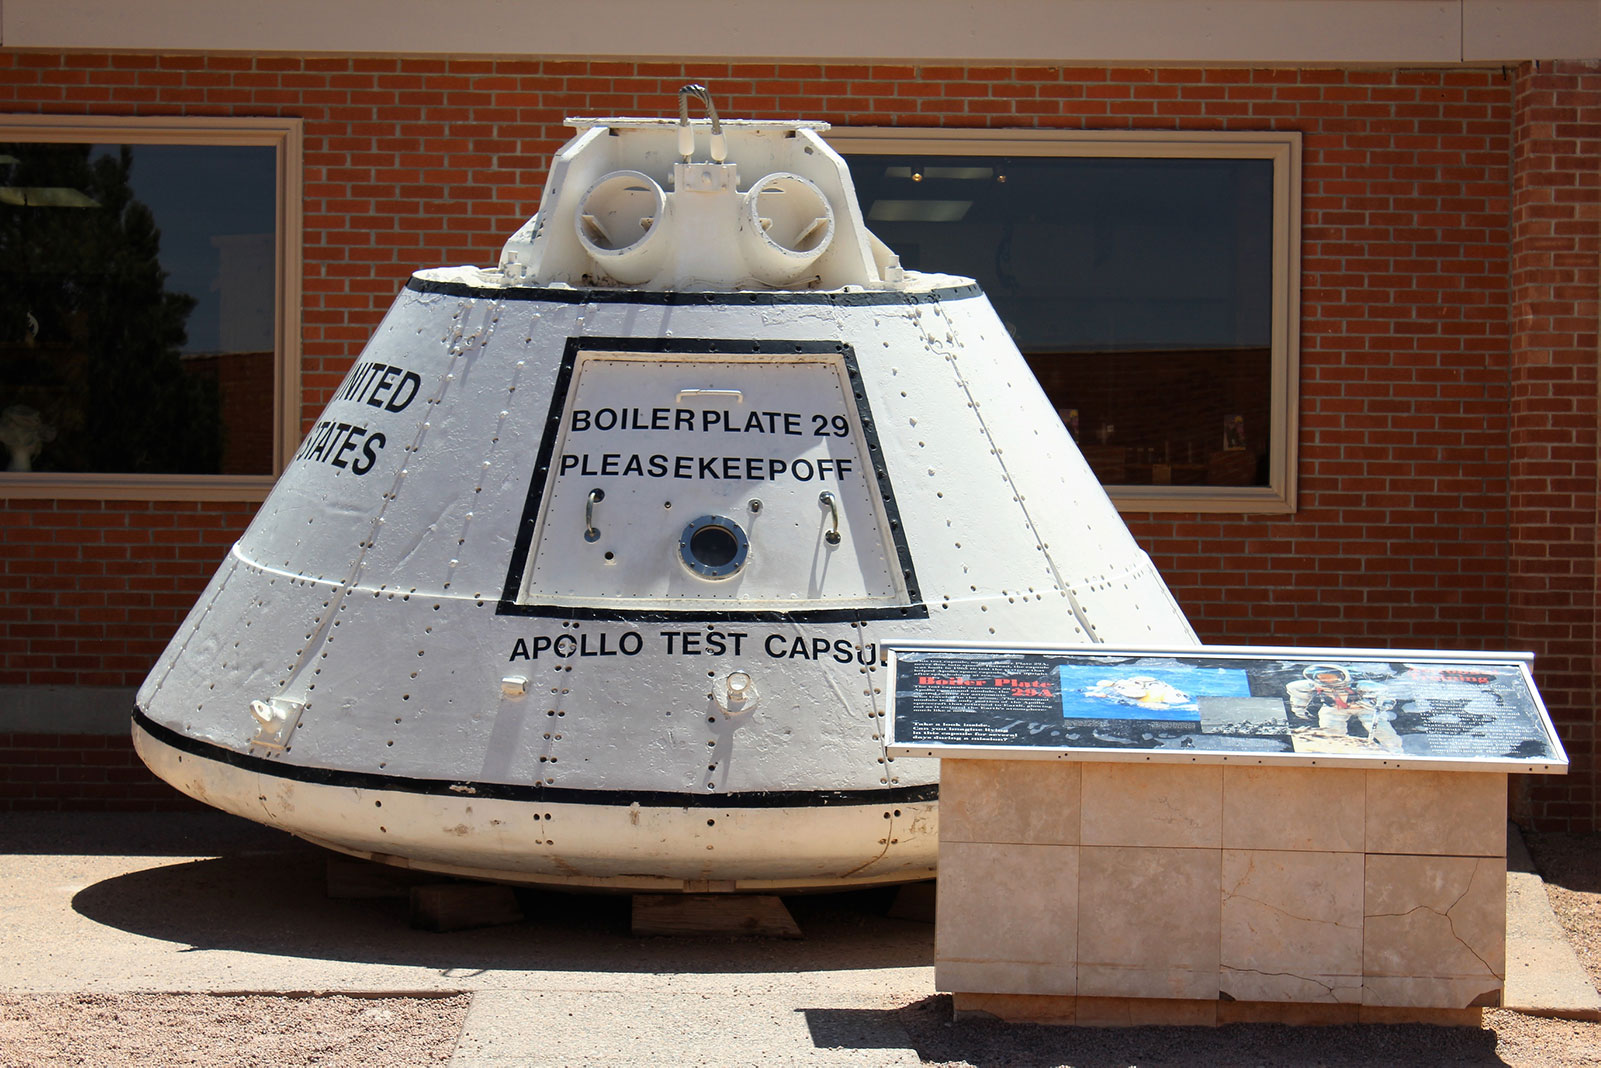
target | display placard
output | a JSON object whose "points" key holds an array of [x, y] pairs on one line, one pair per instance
{"points": [[1217, 704]]}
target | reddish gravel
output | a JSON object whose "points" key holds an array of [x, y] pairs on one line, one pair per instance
{"points": [[247, 1031]]}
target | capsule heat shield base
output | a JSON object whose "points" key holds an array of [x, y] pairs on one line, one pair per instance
{"points": [[789, 841]]}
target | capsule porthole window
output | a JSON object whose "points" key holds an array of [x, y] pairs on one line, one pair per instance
{"points": [[713, 546]]}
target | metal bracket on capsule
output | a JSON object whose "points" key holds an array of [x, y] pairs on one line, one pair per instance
{"points": [[735, 693], [276, 720]]}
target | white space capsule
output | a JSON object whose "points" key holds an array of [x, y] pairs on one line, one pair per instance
{"points": [[584, 575]]}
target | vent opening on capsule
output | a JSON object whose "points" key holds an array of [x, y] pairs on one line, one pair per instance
{"points": [[619, 223]]}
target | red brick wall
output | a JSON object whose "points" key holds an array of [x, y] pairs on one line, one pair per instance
{"points": [[90, 591], [1402, 536], [79, 772], [1555, 604]]}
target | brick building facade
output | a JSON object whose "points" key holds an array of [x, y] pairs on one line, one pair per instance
{"points": [[1448, 454]]}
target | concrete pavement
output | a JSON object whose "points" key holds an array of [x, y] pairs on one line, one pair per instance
{"points": [[1544, 976], [208, 904]]}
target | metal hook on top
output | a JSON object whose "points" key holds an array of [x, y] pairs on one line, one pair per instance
{"points": [[686, 133]]}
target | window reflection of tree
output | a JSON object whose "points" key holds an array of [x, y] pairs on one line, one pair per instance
{"points": [[89, 333]]}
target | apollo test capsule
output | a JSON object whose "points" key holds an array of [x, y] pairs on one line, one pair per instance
{"points": [[584, 575]]}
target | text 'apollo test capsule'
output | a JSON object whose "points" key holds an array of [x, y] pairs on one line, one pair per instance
{"points": [[584, 575]]}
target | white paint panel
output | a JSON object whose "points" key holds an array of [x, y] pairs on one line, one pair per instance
{"points": [[247, 639]]}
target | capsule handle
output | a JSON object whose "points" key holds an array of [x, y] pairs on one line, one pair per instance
{"points": [[828, 501], [591, 532]]}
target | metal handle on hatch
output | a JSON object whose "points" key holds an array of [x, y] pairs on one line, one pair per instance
{"points": [[826, 498], [591, 532], [696, 392]]}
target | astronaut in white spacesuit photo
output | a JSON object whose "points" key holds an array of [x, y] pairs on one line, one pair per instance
{"points": [[1328, 691]]}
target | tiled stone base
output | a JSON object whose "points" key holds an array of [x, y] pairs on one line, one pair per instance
{"points": [[1324, 893], [1178, 1012]]}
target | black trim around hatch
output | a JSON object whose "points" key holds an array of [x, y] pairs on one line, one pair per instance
{"points": [[915, 608]]}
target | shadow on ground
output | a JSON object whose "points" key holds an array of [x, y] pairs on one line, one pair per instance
{"points": [[1571, 861], [268, 894], [991, 1044]]}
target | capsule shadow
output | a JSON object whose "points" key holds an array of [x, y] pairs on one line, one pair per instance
{"points": [[275, 902]]}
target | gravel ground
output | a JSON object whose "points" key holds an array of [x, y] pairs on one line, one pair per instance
{"points": [[160, 1030], [252, 1031], [246, 1031]]}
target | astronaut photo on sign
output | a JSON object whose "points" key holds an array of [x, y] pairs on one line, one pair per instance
{"points": [[1327, 692]]}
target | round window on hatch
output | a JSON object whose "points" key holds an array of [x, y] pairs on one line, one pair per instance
{"points": [[713, 546]]}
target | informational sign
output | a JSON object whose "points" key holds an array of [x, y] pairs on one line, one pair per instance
{"points": [[1363, 708]]}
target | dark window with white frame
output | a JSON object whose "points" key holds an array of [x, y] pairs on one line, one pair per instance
{"points": [[1149, 279], [148, 305]]}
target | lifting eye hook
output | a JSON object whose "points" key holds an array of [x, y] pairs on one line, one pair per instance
{"points": [[591, 532], [827, 500], [686, 133]]}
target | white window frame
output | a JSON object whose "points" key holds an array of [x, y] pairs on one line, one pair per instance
{"points": [[1283, 149], [285, 136]]}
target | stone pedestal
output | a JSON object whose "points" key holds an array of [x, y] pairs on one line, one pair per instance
{"points": [[1138, 893]]}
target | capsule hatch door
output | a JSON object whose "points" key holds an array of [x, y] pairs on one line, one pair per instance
{"points": [[689, 478]]}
